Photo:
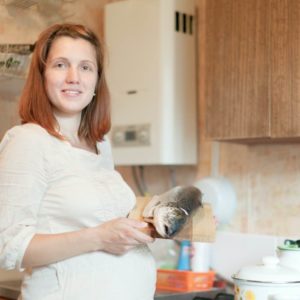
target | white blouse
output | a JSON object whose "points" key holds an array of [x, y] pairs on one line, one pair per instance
{"points": [[48, 186]]}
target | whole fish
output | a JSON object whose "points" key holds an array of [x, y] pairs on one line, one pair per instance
{"points": [[170, 211]]}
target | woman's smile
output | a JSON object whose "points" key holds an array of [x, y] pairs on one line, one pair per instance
{"points": [[71, 92]]}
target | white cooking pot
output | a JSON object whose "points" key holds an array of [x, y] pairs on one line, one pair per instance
{"points": [[269, 281], [289, 256]]}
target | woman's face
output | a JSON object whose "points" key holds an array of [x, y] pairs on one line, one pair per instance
{"points": [[71, 75]]}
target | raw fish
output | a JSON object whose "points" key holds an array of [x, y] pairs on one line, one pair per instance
{"points": [[170, 211]]}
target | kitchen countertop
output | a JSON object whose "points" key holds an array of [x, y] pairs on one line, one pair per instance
{"points": [[10, 290], [167, 295]]}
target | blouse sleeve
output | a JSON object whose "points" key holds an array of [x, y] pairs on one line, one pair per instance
{"points": [[22, 185]]}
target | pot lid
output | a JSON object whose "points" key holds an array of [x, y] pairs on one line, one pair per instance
{"points": [[269, 271]]}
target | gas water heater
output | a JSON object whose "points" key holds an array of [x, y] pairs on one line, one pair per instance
{"points": [[151, 72]]}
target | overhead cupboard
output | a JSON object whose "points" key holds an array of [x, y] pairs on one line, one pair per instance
{"points": [[252, 70]]}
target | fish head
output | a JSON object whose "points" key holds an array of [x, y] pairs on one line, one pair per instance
{"points": [[169, 220]]}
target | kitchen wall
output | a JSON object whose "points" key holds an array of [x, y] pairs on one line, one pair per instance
{"points": [[264, 176]]}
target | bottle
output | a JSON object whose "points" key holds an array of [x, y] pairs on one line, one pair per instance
{"points": [[184, 256], [166, 253], [200, 257]]}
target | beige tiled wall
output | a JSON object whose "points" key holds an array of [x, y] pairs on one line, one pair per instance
{"points": [[267, 182], [265, 176]]}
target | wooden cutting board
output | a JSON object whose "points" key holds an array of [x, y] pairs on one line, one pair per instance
{"points": [[201, 226]]}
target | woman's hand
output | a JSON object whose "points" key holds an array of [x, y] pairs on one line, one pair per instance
{"points": [[120, 235]]}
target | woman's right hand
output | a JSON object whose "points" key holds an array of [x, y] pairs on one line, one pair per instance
{"points": [[119, 235]]}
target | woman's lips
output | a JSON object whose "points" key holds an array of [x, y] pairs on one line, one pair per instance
{"points": [[71, 92]]}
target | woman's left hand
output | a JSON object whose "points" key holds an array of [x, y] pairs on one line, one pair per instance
{"points": [[119, 235]]}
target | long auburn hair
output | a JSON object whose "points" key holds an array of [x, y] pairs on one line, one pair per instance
{"points": [[35, 107]]}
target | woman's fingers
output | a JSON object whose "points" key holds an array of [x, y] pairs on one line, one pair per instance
{"points": [[120, 235]]}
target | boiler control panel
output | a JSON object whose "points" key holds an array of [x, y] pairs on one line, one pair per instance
{"points": [[131, 135]]}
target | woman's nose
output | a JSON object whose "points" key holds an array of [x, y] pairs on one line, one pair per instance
{"points": [[72, 75]]}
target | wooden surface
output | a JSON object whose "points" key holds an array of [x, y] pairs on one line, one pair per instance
{"points": [[201, 226], [252, 69], [285, 68], [237, 69]]}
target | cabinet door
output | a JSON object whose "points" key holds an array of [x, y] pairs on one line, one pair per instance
{"points": [[237, 69], [285, 68]]}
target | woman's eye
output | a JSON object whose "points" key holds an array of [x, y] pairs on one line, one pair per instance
{"points": [[60, 65], [87, 68]]}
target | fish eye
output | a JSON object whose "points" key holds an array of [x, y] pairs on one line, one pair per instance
{"points": [[166, 230]]}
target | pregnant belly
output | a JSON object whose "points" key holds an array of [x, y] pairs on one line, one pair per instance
{"points": [[108, 277]]}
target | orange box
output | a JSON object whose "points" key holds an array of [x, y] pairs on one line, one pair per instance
{"points": [[184, 281]]}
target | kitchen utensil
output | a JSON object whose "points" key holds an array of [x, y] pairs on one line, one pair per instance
{"points": [[266, 281], [289, 254]]}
